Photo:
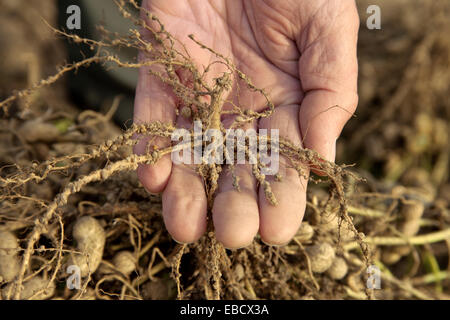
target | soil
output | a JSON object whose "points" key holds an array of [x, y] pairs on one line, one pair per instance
{"points": [[388, 212]]}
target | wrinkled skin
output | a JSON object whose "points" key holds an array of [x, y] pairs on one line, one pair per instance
{"points": [[303, 53]]}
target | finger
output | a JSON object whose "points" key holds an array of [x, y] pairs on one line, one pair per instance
{"points": [[328, 71], [184, 199], [184, 205], [154, 101], [235, 212], [278, 224]]}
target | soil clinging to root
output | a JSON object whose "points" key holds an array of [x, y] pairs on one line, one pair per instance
{"points": [[69, 193]]}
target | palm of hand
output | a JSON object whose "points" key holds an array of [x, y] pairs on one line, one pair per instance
{"points": [[283, 48]]}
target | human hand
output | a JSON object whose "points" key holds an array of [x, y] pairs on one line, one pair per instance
{"points": [[303, 53]]}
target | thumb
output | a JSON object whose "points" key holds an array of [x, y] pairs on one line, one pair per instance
{"points": [[328, 70], [322, 117]]}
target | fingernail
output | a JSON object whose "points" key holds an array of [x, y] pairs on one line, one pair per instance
{"points": [[332, 155], [179, 242], [275, 245], [234, 249]]}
